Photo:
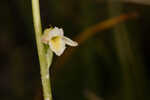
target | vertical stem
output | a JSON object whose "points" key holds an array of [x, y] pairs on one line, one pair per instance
{"points": [[131, 66], [122, 44], [41, 52]]}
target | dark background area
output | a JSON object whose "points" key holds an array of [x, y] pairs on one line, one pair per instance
{"points": [[111, 64]]}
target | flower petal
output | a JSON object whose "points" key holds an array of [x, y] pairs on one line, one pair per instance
{"points": [[45, 38], [57, 45], [61, 32], [56, 32], [70, 42]]}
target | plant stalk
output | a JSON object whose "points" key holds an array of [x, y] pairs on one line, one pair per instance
{"points": [[44, 67]]}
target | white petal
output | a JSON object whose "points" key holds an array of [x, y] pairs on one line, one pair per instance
{"points": [[57, 45], [70, 42], [61, 32], [56, 32], [45, 38]]}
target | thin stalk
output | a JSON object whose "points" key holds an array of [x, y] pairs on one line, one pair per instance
{"points": [[44, 66]]}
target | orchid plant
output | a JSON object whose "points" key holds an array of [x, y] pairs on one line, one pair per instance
{"points": [[56, 41]]}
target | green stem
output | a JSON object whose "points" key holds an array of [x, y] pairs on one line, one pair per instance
{"points": [[44, 66]]}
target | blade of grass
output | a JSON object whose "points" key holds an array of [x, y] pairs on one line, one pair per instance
{"points": [[133, 80]]}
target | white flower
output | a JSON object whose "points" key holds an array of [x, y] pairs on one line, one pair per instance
{"points": [[55, 38]]}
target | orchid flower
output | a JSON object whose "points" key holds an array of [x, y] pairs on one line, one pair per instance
{"points": [[54, 37]]}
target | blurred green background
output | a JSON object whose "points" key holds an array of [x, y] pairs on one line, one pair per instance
{"points": [[111, 63]]}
